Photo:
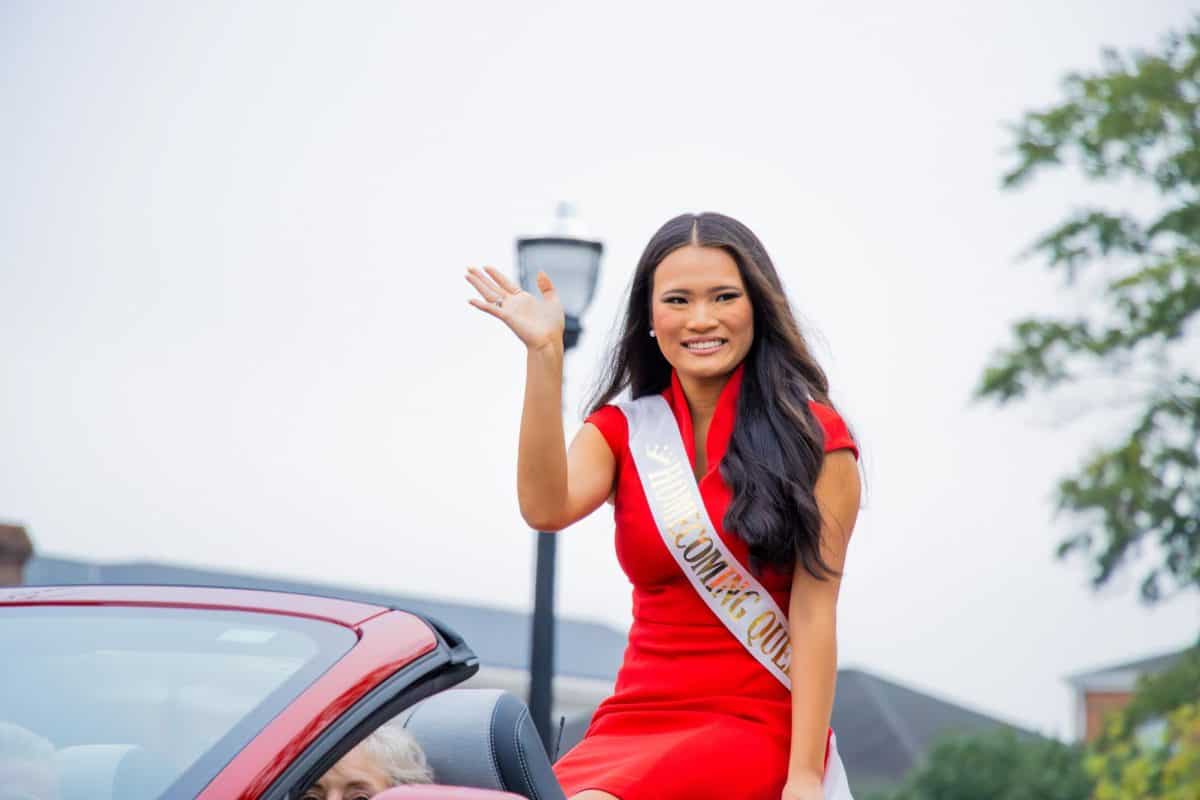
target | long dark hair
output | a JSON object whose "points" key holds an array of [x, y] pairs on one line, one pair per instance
{"points": [[778, 446]]}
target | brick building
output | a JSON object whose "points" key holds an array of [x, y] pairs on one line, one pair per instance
{"points": [[1099, 692]]}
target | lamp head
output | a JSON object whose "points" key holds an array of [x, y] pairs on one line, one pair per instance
{"points": [[571, 261]]}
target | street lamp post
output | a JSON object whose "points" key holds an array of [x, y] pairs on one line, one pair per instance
{"points": [[573, 263]]}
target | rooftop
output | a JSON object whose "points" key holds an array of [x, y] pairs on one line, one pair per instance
{"points": [[884, 728], [1142, 666]]}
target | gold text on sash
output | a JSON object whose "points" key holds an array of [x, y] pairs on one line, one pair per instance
{"points": [[672, 489], [769, 633]]}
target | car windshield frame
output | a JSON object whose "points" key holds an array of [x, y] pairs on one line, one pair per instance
{"points": [[330, 642]]}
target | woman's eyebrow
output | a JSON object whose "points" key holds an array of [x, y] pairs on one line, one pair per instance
{"points": [[681, 290]]}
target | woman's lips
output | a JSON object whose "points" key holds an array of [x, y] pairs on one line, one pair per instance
{"points": [[703, 347]]}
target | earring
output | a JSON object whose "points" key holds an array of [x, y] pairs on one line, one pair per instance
{"points": [[652, 333]]}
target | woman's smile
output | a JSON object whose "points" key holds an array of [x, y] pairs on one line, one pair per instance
{"points": [[703, 347]]}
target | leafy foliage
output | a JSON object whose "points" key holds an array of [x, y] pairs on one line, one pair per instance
{"points": [[1135, 121], [1150, 750], [1137, 759], [998, 765], [1157, 696]]}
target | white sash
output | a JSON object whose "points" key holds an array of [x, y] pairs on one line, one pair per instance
{"points": [[730, 590]]}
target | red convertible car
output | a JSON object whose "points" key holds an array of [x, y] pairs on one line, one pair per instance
{"points": [[145, 692]]}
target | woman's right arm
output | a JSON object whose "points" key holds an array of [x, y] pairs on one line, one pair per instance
{"points": [[555, 486]]}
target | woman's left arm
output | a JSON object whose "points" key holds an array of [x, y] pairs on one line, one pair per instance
{"points": [[812, 624]]}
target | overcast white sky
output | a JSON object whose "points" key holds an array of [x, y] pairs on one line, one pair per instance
{"points": [[235, 331]]}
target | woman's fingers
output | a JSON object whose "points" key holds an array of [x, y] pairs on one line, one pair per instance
{"points": [[483, 283], [502, 280], [535, 320], [490, 308], [496, 280], [486, 288], [545, 286]]}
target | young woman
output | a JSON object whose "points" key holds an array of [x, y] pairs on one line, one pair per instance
{"points": [[735, 489]]}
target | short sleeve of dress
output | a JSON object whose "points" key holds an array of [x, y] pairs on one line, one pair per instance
{"points": [[837, 435], [613, 426]]}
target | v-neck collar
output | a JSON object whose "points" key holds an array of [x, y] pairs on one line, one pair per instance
{"points": [[719, 430]]}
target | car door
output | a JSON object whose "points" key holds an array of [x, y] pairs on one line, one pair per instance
{"points": [[449, 663]]}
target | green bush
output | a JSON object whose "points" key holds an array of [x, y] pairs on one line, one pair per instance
{"points": [[998, 765]]}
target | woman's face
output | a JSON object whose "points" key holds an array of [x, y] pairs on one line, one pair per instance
{"points": [[700, 312], [356, 776]]}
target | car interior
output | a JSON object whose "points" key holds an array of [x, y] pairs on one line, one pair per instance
{"points": [[119, 721], [122, 703], [483, 738], [479, 738]]}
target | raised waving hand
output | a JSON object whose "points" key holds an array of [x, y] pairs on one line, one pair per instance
{"points": [[537, 321]]}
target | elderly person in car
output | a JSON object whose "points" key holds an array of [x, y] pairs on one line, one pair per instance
{"points": [[388, 757]]}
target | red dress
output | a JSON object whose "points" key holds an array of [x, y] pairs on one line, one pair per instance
{"points": [[693, 715]]}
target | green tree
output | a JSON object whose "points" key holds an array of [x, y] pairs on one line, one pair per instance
{"points": [[1158, 695], [998, 765], [1151, 749], [1134, 125]]}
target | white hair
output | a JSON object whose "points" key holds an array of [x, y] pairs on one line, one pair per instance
{"points": [[398, 755]]}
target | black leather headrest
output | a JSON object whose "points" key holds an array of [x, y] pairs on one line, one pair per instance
{"points": [[483, 738]]}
